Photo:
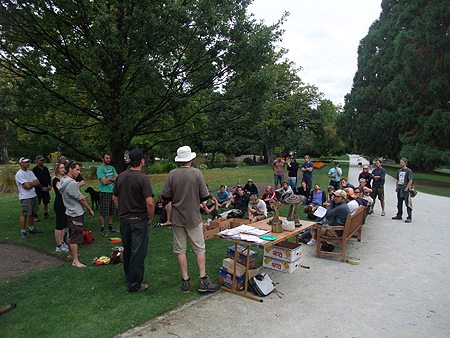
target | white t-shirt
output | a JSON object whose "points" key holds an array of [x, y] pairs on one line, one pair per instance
{"points": [[260, 206], [24, 176], [352, 205]]}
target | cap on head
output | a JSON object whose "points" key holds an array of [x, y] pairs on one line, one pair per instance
{"points": [[341, 193], [250, 180], [136, 155], [39, 158], [253, 198], [336, 162], [350, 192], [24, 159], [184, 154]]}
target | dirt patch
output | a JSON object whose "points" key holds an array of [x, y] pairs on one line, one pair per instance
{"points": [[17, 259]]}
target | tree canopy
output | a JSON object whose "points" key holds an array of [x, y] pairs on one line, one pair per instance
{"points": [[399, 104], [110, 75]]}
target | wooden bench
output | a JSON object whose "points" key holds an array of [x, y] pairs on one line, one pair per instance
{"points": [[352, 228]]}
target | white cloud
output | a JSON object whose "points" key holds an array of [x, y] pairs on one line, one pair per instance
{"points": [[322, 37]]}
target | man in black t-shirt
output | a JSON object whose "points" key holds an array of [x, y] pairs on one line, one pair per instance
{"points": [[43, 189], [133, 197]]}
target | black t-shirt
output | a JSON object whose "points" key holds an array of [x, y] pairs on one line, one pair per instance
{"points": [[58, 195], [252, 189], [132, 189], [241, 202], [293, 169], [43, 175]]}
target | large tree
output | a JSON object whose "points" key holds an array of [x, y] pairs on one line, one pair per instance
{"points": [[400, 101], [102, 74]]}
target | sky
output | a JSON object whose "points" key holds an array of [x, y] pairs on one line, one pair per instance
{"points": [[322, 37]]}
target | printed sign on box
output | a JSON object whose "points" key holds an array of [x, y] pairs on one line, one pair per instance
{"points": [[286, 251], [280, 265]]}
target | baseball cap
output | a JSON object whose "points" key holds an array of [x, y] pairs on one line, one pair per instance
{"points": [[24, 159], [39, 158], [341, 193], [336, 162], [136, 155], [250, 180], [350, 192], [253, 198]]}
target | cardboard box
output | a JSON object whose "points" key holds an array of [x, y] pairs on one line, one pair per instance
{"points": [[209, 231], [235, 222], [222, 223], [226, 278], [285, 251], [228, 264], [280, 265], [242, 258]]}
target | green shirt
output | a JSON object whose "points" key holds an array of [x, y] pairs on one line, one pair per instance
{"points": [[107, 172]]}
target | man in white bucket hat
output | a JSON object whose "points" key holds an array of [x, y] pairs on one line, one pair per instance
{"points": [[186, 188]]}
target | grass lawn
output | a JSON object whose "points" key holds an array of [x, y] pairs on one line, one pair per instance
{"points": [[64, 301]]}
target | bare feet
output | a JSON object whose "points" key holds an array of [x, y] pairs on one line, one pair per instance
{"points": [[70, 256], [78, 265]]}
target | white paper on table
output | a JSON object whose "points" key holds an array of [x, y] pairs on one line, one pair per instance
{"points": [[257, 232], [250, 238], [320, 211], [244, 228], [229, 232]]}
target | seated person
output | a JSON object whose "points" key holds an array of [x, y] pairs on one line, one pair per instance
{"points": [[240, 202], [317, 198], [284, 192], [366, 191], [303, 191], [222, 197], [337, 211], [211, 209], [367, 176], [345, 184], [268, 195], [250, 188], [351, 200], [330, 190], [165, 216], [359, 197], [257, 210]]}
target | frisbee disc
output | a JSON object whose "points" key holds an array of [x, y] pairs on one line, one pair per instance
{"points": [[268, 238], [352, 260]]}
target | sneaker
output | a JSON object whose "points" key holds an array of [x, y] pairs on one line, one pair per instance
{"points": [[48, 217], [186, 285], [158, 225], [112, 230], [370, 212], [383, 213], [408, 220], [61, 248], [396, 217], [206, 285], [104, 234], [224, 209], [36, 219], [34, 231], [312, 241], [142, 288], [23, 235], [64, 244]]}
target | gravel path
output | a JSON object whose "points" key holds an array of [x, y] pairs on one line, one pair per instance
{"points": [[400, 288]]}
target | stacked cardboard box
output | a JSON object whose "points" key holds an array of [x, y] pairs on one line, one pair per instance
{"points": [[284, 256], [214, 227], [226, 272]]}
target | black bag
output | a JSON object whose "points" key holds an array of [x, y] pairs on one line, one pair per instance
{"points": [[412, 191], [261, 285], [235, 213]]}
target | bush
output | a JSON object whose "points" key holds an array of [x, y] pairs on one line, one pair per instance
{"points": [[167, 167], [7, 179], [90, 173], [202, 167], [248, 161], [241, 164], [161, 167]]}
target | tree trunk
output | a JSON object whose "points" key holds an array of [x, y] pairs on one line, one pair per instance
{"points": [[269, 144], [4, 154]]}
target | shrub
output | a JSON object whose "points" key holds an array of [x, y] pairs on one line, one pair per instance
{"points": [[202, 167], [161, 167], [241, 164], [167, 167], [7, 179], [90, 173], [248, 161]]}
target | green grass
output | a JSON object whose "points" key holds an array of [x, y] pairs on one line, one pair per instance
{"points": [[430, 183], [65, 301]]}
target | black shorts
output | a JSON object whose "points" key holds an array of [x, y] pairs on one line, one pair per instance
{"points": [[107, 206], [43, 196]]}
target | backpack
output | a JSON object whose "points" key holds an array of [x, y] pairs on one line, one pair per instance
{"points": [[235, 213], [87, 237]]}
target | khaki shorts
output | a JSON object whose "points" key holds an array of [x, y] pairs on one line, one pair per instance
{"points": [[329, 232], [259, 217], [29, 206], [195, 235], [378, 190]]}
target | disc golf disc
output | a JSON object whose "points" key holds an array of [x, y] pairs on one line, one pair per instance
{"points": [[268, 238]]}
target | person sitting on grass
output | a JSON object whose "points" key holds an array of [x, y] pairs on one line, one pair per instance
{"points": [[345, 184], [212, 208], [257, 210], [250, 188], [303, 191], [284, 192], [222, 197], [240, 202], [268, 195], [164, 217]]}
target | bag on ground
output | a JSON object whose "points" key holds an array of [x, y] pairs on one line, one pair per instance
{"points": [[261, 285]]}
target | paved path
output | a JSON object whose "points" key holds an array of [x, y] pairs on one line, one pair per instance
{"points": [[400, 288]]}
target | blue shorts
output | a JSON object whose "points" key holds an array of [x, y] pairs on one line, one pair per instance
{"points": [[292, 181], [278, 178]]}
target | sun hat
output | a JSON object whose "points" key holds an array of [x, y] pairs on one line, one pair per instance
{"points": [[24, 159], [184, 154]]}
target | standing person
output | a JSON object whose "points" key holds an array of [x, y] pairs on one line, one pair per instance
{"points": [[107, 176], [75, 203], [79, 179], [186, 188], [26, 181], [360, 161], [60, 210], [367, 176], [403, 184], [133, 197], [292, 173], [307, 169], [278, 170], [379, 175], [335, 175], [43, 175]]}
